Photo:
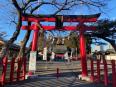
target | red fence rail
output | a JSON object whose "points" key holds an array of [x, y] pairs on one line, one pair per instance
{"points": [[21, 70], [105, 66]]}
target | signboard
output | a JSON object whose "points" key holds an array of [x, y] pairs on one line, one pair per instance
{"points": [[32, 61], [66, 56]]}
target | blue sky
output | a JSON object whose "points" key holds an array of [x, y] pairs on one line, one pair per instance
{"points": [[110, 13]]}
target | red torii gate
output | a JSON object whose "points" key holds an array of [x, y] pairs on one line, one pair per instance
{"points": [[81, 27]]}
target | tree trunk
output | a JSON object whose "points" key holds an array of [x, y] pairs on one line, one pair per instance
{"points": [[24, 42], [22, 49]]}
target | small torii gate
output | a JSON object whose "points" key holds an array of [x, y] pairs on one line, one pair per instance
{"points": [[59, 19]]}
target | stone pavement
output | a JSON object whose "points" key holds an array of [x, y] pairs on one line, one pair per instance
{"points": [[47, 77]]}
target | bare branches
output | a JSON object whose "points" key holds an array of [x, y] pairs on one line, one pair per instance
{"points": [[16, 5], [63, 6], [58, 5], [35, 8], [93, 3]]}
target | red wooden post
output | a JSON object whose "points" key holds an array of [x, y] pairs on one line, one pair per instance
{"points": [[57, 73], [24, 67], [92, 70], [105, 73], [98, 70], [34, 42], [35, 39], [18, 70], [83, 54], [5, 61], [113, 73], [12, 70]]}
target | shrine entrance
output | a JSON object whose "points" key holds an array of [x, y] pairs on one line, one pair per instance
{"points": [[59, 20]]}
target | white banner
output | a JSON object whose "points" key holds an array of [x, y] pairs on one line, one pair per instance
{"points": [[32, 61], [45, 53]]}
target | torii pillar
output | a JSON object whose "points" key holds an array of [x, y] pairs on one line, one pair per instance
{"points": [[83, 28], [83, 54], [32, 61], [35, 39]]}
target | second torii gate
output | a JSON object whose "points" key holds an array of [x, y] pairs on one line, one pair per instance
{"points": [[59, 20]]}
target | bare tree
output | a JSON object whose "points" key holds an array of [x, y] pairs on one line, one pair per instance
{"points": [[32, 6]]}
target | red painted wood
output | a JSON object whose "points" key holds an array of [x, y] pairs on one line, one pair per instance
{"points": [[18, 69], [12, 70], [24, 67], [113, 73], [105, 73], [67, 28], [65, 19], [5, 62], [57, 73], [92, 70], [35, 39], [98, 70], [83, 54]]}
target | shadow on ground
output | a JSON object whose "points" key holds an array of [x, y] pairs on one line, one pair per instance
{"points": [[66, 79]]}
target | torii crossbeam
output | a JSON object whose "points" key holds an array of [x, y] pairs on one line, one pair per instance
{"points": [[81, 27]]}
